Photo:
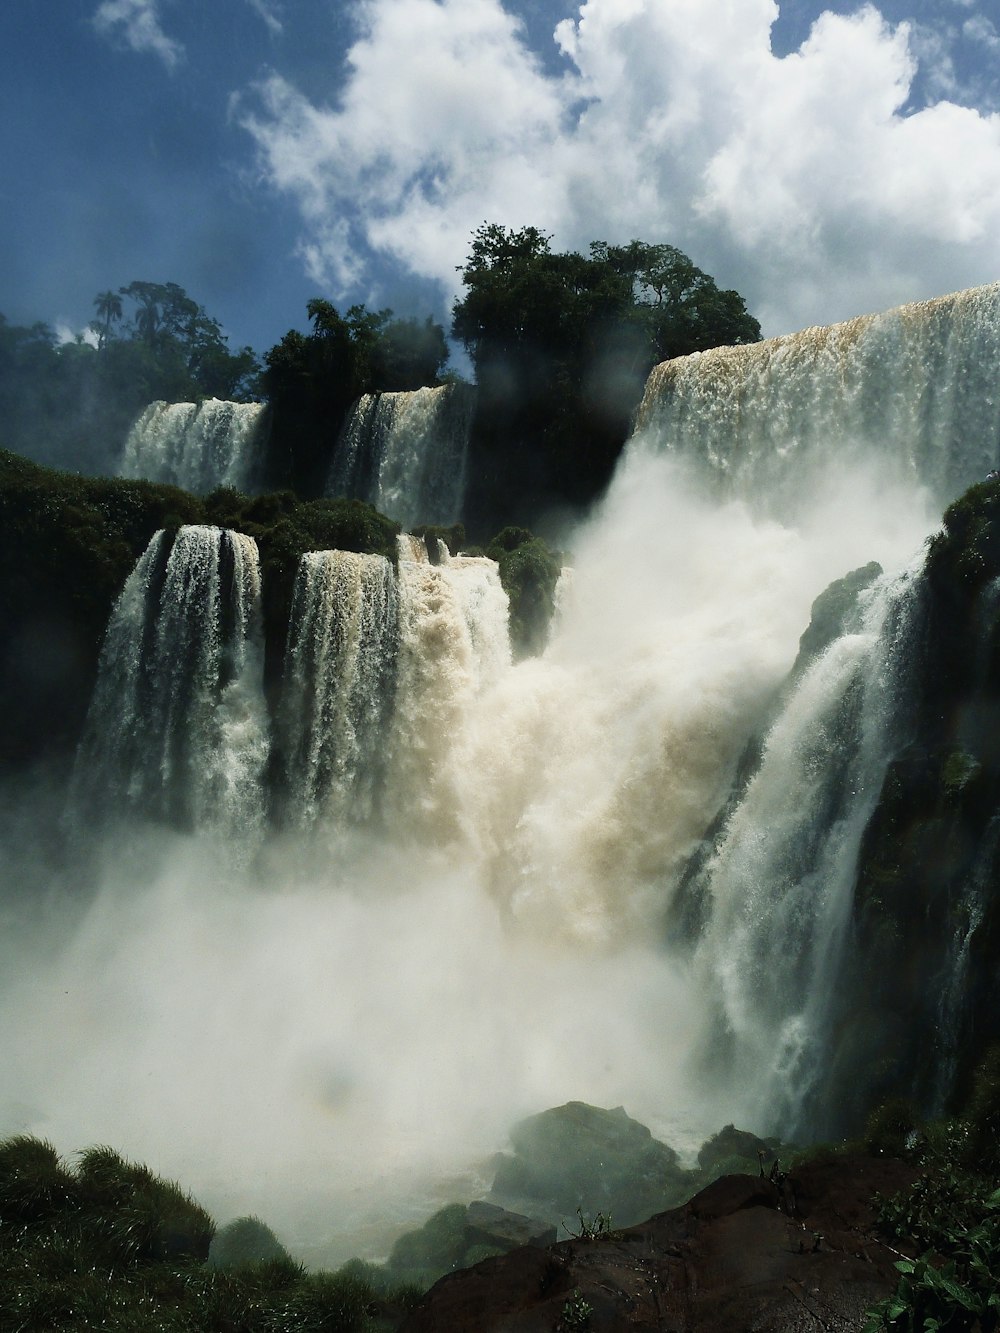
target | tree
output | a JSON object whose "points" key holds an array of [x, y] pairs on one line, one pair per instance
{"points": [[109, 311], [562, 344], [312, 379]]}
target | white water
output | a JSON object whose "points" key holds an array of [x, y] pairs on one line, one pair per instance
{"points": [[339, 676], [177, 729], [326, 1045], [197, 446], [405, 453], [911, 392]]}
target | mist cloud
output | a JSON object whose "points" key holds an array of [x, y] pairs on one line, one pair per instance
{"points": [[809, 181]]}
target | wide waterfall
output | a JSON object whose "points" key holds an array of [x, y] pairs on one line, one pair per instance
{"points": [[406, 453], [177, 728], [911, 392], [465, 908], [197, 446]]}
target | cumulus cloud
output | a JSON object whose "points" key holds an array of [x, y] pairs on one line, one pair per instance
{"points": [[807, 182], [137, 23]]}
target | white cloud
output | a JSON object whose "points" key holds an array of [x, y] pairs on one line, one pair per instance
{"points": [[805, 181], [980, 29], [268, 11], [137, 23]]}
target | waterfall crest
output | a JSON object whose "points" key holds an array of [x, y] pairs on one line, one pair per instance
{"points": [[197, 446], [177, 728], [405, 453], [911, 390]]}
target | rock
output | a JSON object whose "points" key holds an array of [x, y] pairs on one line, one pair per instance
{"points": [[597, 1160], [731, 1142], [728, 1259], [486, 1224]]}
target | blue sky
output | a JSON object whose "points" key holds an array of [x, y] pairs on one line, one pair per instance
{"points": [[824, 160]]}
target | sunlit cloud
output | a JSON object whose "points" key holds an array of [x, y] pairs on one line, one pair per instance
{"points": [[137, 23], [808, 182]]}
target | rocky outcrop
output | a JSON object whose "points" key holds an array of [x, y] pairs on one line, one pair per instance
{"points": [[728, 1259]]}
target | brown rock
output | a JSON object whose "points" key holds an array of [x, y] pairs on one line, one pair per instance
{"points": [[729, 1259]]}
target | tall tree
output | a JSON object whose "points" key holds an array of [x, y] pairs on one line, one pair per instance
{"points": [[109, 311]]}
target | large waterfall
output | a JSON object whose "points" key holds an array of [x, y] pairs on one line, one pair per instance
{"points": [[197, 446], [466, 907], [911, 392], [406, 453]]}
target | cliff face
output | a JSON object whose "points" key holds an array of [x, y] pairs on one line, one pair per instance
{"points": [[923, 985]]}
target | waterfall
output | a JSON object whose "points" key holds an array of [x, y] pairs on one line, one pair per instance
{"points": [[778, 890], [502, 849], [339, 685], [405, 453], [197, 446], [177, 728], [453, 646], [912, 391]]}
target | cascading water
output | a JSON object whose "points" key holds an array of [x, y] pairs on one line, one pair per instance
{"points": [[405, 453], [197, 446], [777, 891], [491, 938], [911, 391], [177, 729], [339, 686], [453, 646]]}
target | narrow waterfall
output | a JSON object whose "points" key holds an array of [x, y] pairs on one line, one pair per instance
{"points": [[339, 686], [177, 729], [453, 646], [911, 392], [197, 446], [777, 892], [405, 453]]}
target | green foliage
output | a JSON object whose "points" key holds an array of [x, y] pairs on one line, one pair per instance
{"points": [[562, 345], [950, 1218], [597, 1227], [891, 1128], [112, 1246], [246, 1240], [575, 1313], [529, 572], [73, 403], [312, 379]]}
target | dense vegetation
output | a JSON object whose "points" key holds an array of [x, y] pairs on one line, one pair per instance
{"points": [[110, 1245], [71, 404], [312, 379], [562, 344], [948, 1221]]}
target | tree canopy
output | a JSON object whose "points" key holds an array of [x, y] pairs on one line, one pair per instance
{"points": [[562, 344]]}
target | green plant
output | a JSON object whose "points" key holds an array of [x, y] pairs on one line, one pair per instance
{"points": [[596, 1228], [575, 1313]]}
